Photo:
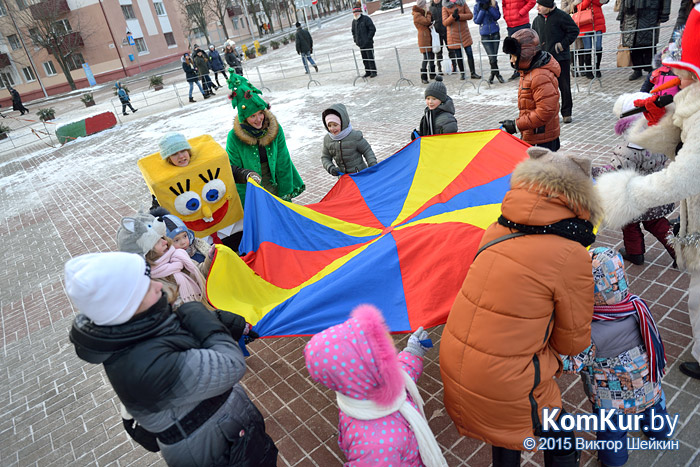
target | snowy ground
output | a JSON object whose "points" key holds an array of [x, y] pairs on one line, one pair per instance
{"points": [[58, 202]]}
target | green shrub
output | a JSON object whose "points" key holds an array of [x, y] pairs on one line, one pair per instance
{"points": [[87, 97], [45, 114]]}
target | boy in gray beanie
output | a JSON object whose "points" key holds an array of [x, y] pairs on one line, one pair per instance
{"points": [[439, 116]]}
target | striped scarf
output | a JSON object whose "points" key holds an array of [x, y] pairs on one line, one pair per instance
{"points": [[631, 305]]}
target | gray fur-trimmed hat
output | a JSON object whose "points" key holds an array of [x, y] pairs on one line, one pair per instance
{"points": [[437, 89], [140, 233]]}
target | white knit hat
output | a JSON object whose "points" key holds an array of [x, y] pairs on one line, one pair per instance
{"points": [[107, 287]]}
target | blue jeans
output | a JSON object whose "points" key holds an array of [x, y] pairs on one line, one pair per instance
{"points": [[306, 56], [619, 457], [587, 40], [192, 83]]}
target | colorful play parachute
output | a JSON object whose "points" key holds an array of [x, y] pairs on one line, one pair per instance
{"points": [[400, 235]]}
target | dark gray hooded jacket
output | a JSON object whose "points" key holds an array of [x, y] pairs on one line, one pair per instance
{"points": [[439, 121], [346, 154], [162, 365]]}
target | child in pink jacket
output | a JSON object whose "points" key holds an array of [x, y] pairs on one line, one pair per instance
{"points": [[381, 412]]}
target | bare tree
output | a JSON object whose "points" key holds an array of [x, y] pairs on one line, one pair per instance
{"points": [[52, 26], [196, 15], [219, 8]]}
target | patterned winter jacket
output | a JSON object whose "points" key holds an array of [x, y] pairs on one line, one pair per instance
{"points": [[347, 153], [615, 369], [629, 156], [382, 442], [627, 194], [162, 365]]}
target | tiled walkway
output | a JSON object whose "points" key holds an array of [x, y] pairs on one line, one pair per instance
{"points": [[57, 410]]}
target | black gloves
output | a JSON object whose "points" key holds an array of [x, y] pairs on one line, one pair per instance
{"points": [[455, 14], [199, 321], [333, 170], [235, 324], [485, 5], [509, 126], [414, 134]]}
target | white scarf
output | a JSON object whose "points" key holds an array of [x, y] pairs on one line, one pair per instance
{"points": [[342, 134], [430, 452]]}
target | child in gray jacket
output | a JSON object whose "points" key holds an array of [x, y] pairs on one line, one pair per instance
{"points": [[343, 147]]}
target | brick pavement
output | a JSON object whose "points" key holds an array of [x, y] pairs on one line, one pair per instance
{"points": [[59, 203]]}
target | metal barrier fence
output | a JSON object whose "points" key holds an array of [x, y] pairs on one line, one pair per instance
{"points": [[403, 63]]}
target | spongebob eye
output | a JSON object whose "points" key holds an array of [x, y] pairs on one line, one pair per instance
{"points": [[187, 203], [213, 191]]}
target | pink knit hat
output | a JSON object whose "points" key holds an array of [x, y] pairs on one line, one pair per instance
{"points": [[332, 117]]}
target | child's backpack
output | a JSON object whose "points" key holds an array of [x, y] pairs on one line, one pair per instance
{"points": [[662, 75]]}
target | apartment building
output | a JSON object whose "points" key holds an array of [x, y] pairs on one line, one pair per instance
{"points": [[104, 40]]}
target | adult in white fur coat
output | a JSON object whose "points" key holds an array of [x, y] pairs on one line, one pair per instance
{"points": [[627, 194]]}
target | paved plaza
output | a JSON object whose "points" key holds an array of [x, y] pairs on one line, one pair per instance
{"points": [[65, 201]]}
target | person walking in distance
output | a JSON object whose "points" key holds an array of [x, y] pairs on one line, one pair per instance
{"points": [[305, 47], [517, 16], [363, 34], [557, 31], [17, 101]]}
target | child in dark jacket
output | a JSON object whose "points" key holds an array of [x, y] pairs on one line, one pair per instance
{"points": [[439, 116], [343, 147], [486, 15], [124, 98], [623, 367], [630, 156]]}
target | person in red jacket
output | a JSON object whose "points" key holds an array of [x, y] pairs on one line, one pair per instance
{"points": [[517, 16], [589, 33]]}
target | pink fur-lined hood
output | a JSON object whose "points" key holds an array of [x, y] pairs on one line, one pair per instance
{"points": [[357, 358]]}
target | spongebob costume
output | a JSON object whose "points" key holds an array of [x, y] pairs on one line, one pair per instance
{"points": [[203, 194]]}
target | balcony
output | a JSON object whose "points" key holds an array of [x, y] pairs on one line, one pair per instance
{"points": [[49, 10], [69, 42], [4, 60], [234, 11]]}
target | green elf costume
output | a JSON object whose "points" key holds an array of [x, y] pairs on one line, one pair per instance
{"points": [[263, 150]]}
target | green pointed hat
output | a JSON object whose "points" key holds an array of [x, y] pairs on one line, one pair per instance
{"points": [[245, 97]]}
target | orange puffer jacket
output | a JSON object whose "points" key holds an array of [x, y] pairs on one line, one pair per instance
{"points": [[538, 100], [458, 35], [524, 301], [422, 19]]}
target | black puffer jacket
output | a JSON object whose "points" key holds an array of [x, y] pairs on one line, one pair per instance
{"points": [[162, 365], [436, 13], [363, 32], [439, 121]]}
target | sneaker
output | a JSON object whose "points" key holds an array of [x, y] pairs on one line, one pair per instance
{"points": [[634, 259], [568, 119], [691, 369]]}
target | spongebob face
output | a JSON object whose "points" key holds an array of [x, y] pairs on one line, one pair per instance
{"points": [[203, 193]]}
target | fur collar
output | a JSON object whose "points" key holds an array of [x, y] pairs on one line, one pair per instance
{"points": [[547, 179], [270, 123]]}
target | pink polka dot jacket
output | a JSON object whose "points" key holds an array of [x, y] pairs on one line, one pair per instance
{"points": [[358, 359]]}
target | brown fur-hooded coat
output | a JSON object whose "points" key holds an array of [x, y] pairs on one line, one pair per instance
{"points": [[524, 301]]}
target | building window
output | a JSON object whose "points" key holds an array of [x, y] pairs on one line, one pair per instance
{"points": [[22, 4], [34, 34], [28, 74], [14, 41], [169, 39], [5, 79], [75, 61], [128, 11], [49, 68], [160, 9], [3, 11], [140, 44], [62, 26]]}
